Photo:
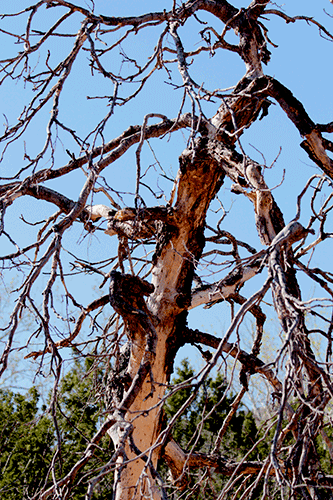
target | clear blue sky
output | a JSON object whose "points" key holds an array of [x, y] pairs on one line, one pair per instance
{"points": [[302, 62]]}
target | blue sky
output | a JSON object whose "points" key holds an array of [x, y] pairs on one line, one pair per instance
{"points": [[302, 62]]}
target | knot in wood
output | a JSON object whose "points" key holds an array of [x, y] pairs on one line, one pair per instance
{"points": [[127, 292]]}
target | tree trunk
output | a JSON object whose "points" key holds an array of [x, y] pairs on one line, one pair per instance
{"points": [[178, 249]]}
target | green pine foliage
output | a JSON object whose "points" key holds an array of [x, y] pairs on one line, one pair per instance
{"points": [[26, 444], [79, 415], [28, 437], [199, 425], [29, 440]]}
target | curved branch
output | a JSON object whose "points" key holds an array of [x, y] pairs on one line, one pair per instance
{"points": [[293, 19], [253, 363], [177, 460], [210, 294], [121, 144], [220, 8], [314, 144], [100, 302], [90, 450]]}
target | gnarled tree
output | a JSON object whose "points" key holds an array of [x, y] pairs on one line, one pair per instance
{"points": [[45, 75]]}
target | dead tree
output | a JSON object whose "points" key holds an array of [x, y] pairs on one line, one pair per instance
{"points": [[151, 293]]}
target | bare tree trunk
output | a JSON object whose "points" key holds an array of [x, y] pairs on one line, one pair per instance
{"points": [[179, 247], [153, 315]]}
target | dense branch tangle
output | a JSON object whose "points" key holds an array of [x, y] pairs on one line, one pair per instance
{"points": [[152, 300]]}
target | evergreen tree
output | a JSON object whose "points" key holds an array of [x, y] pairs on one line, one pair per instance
{"points": [[26, 445], [26, 430], [198, 427], [209, 409]]}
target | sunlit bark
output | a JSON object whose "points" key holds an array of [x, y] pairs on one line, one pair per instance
{"points": [[150, 305]]}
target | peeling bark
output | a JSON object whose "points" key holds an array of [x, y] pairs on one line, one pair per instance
{"points": [[154, 314]]}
